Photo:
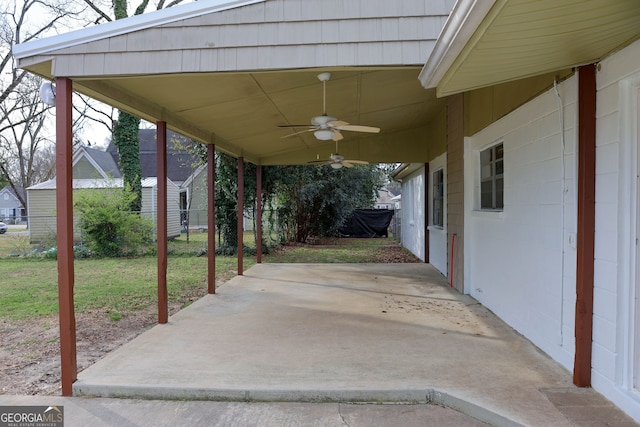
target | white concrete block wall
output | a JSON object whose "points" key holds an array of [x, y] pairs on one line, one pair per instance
{"points": [[413, 220], [616, 340], [520, 262]]}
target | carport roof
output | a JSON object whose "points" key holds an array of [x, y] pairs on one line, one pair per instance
{"points": [[485, 43], [230, 73]]}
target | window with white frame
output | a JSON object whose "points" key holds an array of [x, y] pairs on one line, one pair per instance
{"points": [[438, 198], [491, 178]]}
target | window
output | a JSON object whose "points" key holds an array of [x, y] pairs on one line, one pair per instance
{"points": [[438, 198], [491, 178]]}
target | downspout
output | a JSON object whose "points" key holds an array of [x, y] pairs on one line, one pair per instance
{"points": [[563, 187], [586, 224]]}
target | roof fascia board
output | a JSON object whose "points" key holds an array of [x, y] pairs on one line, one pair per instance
{"points": [[463, 22], [123, 26], [405, 170]]}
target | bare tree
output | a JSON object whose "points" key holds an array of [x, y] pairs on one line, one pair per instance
{"points": [[25, 131]]}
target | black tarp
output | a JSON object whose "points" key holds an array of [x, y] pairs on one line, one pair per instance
{"points": [[367, 223]]}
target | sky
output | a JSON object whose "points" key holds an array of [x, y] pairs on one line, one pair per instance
{"points": [[95, 134]]}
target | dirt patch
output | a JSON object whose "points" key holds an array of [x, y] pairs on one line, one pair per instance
{"points": [[30, 349], [394, 253]]}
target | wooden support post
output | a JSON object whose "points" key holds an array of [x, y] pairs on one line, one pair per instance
{"points": [[211, 219], [586, 224], [161, 228], [64, 231], [259, 214], [426, 212], [240, 213]]}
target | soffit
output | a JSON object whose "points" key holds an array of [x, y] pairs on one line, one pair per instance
{"points": [[523, 38], [237, 91], [241, 112]]}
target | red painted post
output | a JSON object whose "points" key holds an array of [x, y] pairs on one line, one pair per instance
{"points": [[240, 213], [259, 213], [426, 212], [586, 224], [211, 219], [161, 228], [64, 224]]}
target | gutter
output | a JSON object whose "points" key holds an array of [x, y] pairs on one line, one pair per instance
{"points": [[463, 21]]}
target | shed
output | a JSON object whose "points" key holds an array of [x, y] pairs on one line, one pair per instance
{"points": [[41, 201]]}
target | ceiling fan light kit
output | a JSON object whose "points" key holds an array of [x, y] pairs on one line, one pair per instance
{"points": [[325, 127], [323, 134]]}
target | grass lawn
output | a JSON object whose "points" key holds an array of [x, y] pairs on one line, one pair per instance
{"points": [[28, 288]]}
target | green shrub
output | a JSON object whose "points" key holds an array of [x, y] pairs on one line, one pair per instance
{"points": [[111, 230]]}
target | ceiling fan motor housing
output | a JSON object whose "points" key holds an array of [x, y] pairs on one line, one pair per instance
{"points": [[322, 121]]}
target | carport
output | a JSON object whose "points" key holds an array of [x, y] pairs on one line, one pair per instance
{"points": [[228, 74], [385, 333]]}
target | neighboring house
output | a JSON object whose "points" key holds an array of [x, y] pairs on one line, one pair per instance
{"points": [[384, 199], [183, 164], [182, 161], [41, 201], [194, 198], [11, 209], [90, 163]]}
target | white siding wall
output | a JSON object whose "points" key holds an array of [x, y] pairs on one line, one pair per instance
{"points": [[616, 255], [438, 235], [520, 262], [413, 220]]}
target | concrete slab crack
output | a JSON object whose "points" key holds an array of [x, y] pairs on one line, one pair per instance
{"points": [[342, 416]]}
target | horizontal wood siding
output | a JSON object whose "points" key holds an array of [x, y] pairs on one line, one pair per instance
{"points": [[173, 208], [42, 216], [272, 35]]}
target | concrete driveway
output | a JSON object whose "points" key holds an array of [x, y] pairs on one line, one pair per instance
{"points": [[339, 333]]}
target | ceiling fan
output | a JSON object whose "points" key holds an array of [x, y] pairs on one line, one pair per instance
{"points": [[337, 161], [326, 127]]}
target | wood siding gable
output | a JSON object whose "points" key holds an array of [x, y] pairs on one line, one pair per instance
{"points": [[268, 35]]}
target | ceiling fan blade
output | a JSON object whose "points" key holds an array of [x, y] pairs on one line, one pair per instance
{"points": [[337, 136], [297, 133], [346, 164], [357, 162], [358, 128]]}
